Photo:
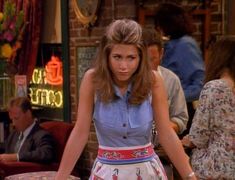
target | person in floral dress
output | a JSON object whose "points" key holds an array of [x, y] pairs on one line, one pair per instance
{"points": [[212, 134]]}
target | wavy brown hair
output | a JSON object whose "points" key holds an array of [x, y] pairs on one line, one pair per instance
{"points": [[222, 57], [129, 32]]}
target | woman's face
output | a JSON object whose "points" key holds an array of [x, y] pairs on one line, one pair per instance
{"points": [[123, 62]]}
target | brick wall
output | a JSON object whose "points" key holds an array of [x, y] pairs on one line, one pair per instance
{"points": [[80, 36]]}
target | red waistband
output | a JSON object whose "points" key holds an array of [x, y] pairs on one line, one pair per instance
{"points": [[140, 153]]}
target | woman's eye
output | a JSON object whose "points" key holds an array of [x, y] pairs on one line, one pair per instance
{"points": [[131, 58], [117, 57]]}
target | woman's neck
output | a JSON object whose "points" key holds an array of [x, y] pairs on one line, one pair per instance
{"points": [[122, 86], [226, 76]]}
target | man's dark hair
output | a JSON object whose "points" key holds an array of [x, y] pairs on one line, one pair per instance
{"points": [[152, 37], [173, 20]]}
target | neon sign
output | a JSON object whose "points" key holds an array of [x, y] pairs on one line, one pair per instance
{"points": [[43, 93], [38, 76], [54, 71], [45, 97]]}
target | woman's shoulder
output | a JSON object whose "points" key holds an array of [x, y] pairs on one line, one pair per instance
{"points": [[89, 73], [88, 78], [157, 79], [216, 86], [186, 41], [156, 74], [215, 83], [168, 73]]}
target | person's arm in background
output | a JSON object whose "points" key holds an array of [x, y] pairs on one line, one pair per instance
{"points": [[167, 137], [178, 112], [177, 105], [39, 147], [199, 132], [80, 133], [8, 154]]}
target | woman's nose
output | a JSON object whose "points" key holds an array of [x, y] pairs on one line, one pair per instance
{"points": [[123, 64]]}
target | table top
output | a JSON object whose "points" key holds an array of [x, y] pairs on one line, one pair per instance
{"points": [[42, 175]]}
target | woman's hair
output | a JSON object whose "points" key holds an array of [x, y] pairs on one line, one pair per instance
{"points": [[128, 32], [222, 57], [173, 20]]}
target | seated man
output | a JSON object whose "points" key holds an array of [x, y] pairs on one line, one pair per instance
{"points": [[28, 141], [177, 105], [176, 100]]}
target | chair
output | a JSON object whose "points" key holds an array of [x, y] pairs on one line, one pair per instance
{"points": [[60, 131]]}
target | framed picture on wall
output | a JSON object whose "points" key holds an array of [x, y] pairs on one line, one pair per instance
{"points": [[20, 85], [86, 11], [84, 57]]}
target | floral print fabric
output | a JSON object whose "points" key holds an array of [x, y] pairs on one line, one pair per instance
{"points": [[213, 133]]}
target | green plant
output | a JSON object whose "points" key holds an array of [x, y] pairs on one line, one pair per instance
{"points": [[11, 29]]}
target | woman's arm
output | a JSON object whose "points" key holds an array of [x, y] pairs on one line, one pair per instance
{"points": [[79, 135], [167, 137]]}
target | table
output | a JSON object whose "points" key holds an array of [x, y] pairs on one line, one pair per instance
{"points": [[42, 175]]}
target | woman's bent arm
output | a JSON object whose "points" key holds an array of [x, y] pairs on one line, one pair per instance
{"points": [[167, 137], [80, 133]]}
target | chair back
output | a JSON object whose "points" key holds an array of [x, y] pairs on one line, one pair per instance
{"points": [[61, 132]]}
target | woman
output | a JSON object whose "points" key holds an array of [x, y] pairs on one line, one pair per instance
{"points": [[212, 133], [182, 54], [122, 95]]}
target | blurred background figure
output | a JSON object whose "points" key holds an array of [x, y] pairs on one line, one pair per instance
{"points": [[28, 141], [177, 105], [176, 100], [182, 54], [212, 134]]}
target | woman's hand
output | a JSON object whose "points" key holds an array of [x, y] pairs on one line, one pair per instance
{"points": [[186, 142]]}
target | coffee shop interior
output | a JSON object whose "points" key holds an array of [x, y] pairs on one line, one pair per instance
{"points": [[54, 43]]}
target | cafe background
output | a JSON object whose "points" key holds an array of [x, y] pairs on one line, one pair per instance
{"points": [[68, 37]]}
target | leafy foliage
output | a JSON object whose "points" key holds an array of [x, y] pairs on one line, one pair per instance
{"points": [[11, 29]]}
